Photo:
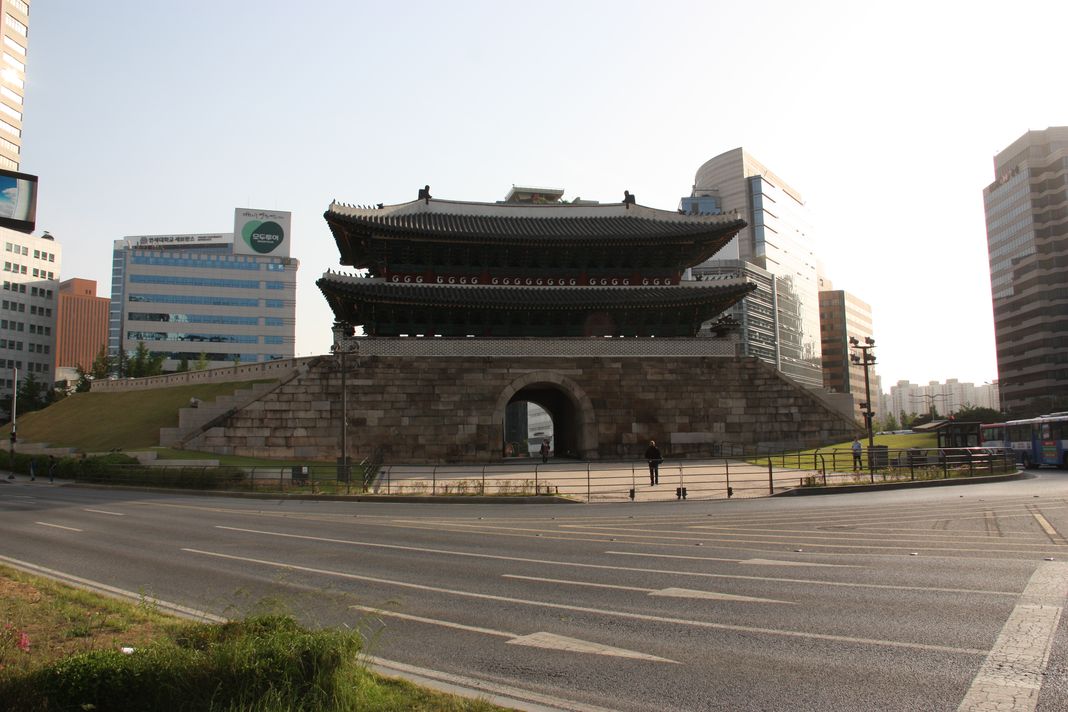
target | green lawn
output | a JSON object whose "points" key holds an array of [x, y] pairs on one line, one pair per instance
{"points": [[844, 455], [97, 422]]}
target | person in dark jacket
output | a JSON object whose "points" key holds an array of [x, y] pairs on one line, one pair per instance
{"points": [[652, 454]]}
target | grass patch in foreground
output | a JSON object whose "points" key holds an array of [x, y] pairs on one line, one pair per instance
{"points": [[62, 649], [844, 456]]}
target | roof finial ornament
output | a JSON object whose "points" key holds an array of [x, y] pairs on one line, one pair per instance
{"points": [[628, 199], [424, 193]]}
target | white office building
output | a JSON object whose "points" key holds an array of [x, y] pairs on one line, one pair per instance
{"points": [[28, 307], [225, 297]]}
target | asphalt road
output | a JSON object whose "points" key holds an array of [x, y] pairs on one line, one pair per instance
{"points": [[936, 599]]}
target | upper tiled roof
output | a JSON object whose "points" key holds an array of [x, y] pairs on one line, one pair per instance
{"points": [[554, 222]]}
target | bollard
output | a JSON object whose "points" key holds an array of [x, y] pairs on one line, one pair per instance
{"points": [[684, 493], [730, 492], [678, 493], [632, 493]]}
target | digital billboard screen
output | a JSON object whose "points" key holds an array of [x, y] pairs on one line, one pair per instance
{"points": [[18, 201]]}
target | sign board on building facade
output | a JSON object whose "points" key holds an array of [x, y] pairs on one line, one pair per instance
{"points": [[261, 232], [171, 241], [18, 200]]}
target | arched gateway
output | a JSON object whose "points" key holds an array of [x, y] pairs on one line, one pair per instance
{"points": [[572, 413]]}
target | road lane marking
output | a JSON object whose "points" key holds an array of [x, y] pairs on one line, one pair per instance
{"points": [[667, 592], [753, 562], [104, 511], [599, 611], [1051, 531], [58, 526], [573, 564], [1011, 677], [104, 588], [543, 639]]}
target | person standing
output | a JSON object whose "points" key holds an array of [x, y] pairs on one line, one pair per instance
{"points": [[652, 454], [856, 447], [51, 468], [545, 450], [33, 469]]}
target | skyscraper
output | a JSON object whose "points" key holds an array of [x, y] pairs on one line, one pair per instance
{"points": [[15, 31], [842, 316], [1027, 239], [780, 320]]}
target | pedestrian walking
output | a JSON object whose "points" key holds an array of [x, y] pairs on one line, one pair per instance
{"points": [[33, 469], [545, 450], [51, 468], [652, 454], [856, 447]]}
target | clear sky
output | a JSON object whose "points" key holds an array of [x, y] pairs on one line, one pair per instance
{"points": [[152, 117]]}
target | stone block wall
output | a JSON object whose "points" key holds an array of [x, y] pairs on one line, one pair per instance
{"points": [[447, 409]]}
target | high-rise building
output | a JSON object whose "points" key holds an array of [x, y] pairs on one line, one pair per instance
{"points": [[28, 307], [230, 297], [81, 325], [780, 320], [941, 398], [15, 32], [1027, 239], [843, 316]]}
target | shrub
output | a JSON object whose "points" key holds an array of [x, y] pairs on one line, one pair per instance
{"points": [[262, 663]]}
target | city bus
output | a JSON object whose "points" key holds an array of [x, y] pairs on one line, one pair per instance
{"points": [[1036, 441], [993, 435]]}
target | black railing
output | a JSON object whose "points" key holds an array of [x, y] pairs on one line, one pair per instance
{"points": [[710, 478]]}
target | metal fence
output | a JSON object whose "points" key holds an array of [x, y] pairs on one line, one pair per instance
{"points": [[710, 478]]}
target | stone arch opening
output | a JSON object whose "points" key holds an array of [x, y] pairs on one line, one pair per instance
{"points": [[574, 431]]}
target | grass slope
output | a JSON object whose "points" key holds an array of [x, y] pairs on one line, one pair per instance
{"points": [[95, 422]]}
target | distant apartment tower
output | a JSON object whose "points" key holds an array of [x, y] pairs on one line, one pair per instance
{"points": [[1027, 239], [28, 307], [843, 316], [942, 398], [15, 33], [228, 296], [780, 321], [81, 326]]}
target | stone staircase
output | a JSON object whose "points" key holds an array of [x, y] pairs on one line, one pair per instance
{"points": [[194, 421]]}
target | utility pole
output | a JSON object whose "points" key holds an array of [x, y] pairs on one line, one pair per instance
{"points": [[14, 421], [343, 344], [867, 359]]}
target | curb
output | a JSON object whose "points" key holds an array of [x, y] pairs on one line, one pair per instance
{"points": [[909, 484]]}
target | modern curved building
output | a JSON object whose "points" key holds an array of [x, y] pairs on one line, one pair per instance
{"points": [[780, 320]]}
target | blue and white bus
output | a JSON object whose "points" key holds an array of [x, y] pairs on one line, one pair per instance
{"points": [[1036, 441]]}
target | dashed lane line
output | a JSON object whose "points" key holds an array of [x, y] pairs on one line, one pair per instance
{"points": [[58, 526], [898, 644], [104, 511], [751, 562], [665, 592], [575, 564], [1010, 679], [549, 641]]}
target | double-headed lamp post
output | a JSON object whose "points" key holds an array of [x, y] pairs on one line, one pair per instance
{"points": [[344, 344], [865, 358]]}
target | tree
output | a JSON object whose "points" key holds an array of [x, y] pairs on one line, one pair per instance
{"points": [[890, 423], [32, 394], [202, 362], [100, 368], [183, 365], [144, 362], [977, 414]]}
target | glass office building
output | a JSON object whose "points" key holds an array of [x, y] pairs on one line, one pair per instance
{"points": [[780, 321], [188, 296], [1027, 240]]}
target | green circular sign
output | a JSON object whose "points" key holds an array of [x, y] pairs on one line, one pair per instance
{"points": [[263, 237]]}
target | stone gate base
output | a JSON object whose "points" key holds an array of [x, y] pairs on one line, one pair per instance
{"points": [[434, 409]]}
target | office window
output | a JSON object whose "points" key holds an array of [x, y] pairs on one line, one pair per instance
{"points": [[15, 25], [14, 46], [12, 95]]}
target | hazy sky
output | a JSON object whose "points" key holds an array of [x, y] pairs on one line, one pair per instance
{"points": [[152, 117]]}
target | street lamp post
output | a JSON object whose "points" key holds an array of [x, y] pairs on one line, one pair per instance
{"points": [[930, 397], [344, 343], [866, 359]]}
